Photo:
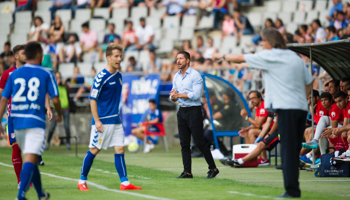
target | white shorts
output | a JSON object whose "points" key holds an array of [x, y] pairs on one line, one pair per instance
{"points": [[31, 140], [113, 135]]}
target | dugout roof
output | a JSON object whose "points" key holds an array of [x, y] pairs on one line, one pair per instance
{"points": [[334, 57]]}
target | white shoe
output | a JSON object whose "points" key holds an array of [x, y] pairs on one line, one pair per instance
{"points": [[148, 148]]}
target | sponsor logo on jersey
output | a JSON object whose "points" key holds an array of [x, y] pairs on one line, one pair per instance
{"points": [[112, 83], [94, 92]]}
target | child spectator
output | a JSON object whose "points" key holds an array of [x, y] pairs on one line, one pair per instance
{"points": [[228, 26], [128, 37]]}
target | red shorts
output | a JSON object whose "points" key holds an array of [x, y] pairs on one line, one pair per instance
{"points": [[339, 142]]}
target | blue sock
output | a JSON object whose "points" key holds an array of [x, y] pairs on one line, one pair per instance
{"points": [[26, 179], [87, 162], [120, 166], [37, 182]]}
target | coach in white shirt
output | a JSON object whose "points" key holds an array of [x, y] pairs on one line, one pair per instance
{"points": [[287, 81]]}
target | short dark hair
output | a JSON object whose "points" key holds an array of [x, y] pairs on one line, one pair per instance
{"points": [[39, 18], [326, 95], [152, 51], [131, 58], [318, 22], [348, 88], [17, 48], [142, 19], [32, 49], [331, 29], [340, 12], [345, 79], [258, 94], [152, 101], [85, 25], [274, 38], [186, 54], [129, 21], [304, 27], [7, 43], [336, 83], [340, 94], [315, 93], [112, 24]]}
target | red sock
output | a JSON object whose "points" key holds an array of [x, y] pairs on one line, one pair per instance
{"points": [[17, 160]]}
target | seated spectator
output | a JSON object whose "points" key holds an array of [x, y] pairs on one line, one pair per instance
{"points": [[268, 24], [58, 5], [337, 6], [303, 30], [99, 4], [242, 24], [128, 37], [53, 49], [78, 82], [346, 10], [138, 3], [152, 116], [70, 53], [320, 34], [38, 32], [200, 45], [80, 4], [90, 79], [7, 58], [191, 7], [331, 34], [155, 63], [174, 8], [220, 8], [88, 41], [119, 4], [111, 37], [57, 29], [208, 52], [134, 66], [22, 5], [186, 45], [228, 26], [144, 37], [280, 26], [340, 21], [204, 9]]}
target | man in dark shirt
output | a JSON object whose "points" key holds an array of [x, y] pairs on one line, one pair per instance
{"points": [[7, 58], [242, 24], [111, 37]]}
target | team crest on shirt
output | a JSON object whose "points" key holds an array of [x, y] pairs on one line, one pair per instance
{"points": [[13, 135], [333, 114], [321, 113], [262, 111], [226, 107], [100, 141]]}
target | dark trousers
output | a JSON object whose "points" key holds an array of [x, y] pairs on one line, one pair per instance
{"points": [[65, 114], [291, 125], [53, 9], [190, 122]]}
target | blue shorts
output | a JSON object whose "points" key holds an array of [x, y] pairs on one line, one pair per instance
{"points": [[10, 131]]}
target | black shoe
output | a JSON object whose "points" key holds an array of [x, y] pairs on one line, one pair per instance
{"points": [[185, 175], [233, 163], [196, 154], [176, 136], [212, 173], [278, 167], [285, 195], [223, 161]]}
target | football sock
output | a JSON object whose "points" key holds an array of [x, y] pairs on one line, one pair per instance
{"points": [[120, 166], [308, 155], [87, 162], [322, 123], [17, 161], [26, 179], [323, 144], [37, 182], [240, 161]]}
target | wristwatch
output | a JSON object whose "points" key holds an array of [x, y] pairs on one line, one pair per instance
{"points": [[246, 118]]}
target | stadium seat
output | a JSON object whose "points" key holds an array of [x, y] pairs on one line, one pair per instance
{"points": [[6, 18], [21, 28], [166, 47], [172, 34], [119, 23], [66, 14], [158, 13], [84, 68], [299, 17], [207, 22], [18, 39], [225, 50], [153, 21], [75, 25], [7, 7], [229, 42], [98, 24], [321, 5], [305, 5], [189, 21], [157, 34], [292, 27], [186, 33], [286, 17], [273, 6], [44, 5], [246, 41], [270, 15], [99, 66], [236, 50], [171, 22], [323, 19], [102, 12], [138, 12], [44, 14], [144, 58], [255, 18], [311, 15], [4, 30], [289, 6], [120, 13], [66, 70], [217, 42], [128, 54], [100, 36], [135, 22], [24, 16], [83, 14]]}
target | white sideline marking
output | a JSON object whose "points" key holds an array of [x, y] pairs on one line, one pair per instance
{"points": [[249, 194], [131, 176], [299, 180], [97, 185]]}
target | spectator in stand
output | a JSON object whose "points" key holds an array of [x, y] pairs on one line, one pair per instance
{"points": [[129, 35], [208, 52], [99, 4], [58, 5], [138, 3], [191, 7], [200, 45], [219, 10], [78, 82], [119, 4], [309, 39], [52, 49], [204, 9], [346, 10], [111, 37], [134, 66], [155, 63], [57, 29], [70, 53], [144, 37], [257, 38], [337, 5], [228, 26], [320, 34], [90, 79], [88, 41], [22, 6], [331, 34], [80, 4], [280, 26], [242, 24], [38, 32], [174, 8], [7, 58], [186, 45], [303, 30], [340, 21]]}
